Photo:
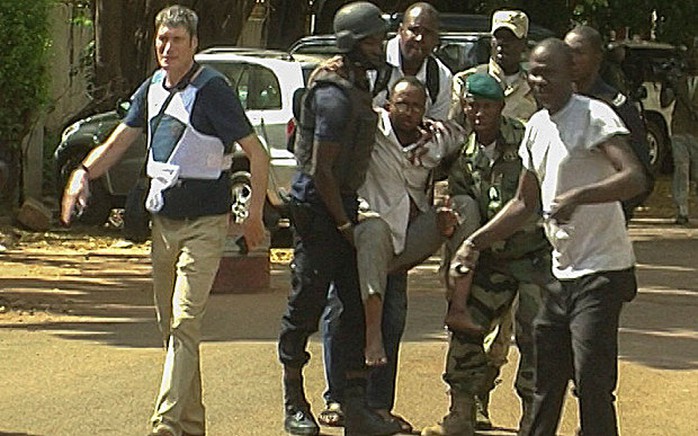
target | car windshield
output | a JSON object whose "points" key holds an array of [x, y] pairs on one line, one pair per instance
{"points": [[257, 86], [459, 55]]}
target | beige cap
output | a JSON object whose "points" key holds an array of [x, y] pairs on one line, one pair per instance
{"points": [[516, 21]]}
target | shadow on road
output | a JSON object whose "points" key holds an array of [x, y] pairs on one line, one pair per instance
{"points": [[658, 328], [107, 298]]}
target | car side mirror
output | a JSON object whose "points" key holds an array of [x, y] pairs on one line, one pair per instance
{"points": [[122, 107], [666, 96], [641, 93]]}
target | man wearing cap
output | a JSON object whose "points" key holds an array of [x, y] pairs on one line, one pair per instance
{"points": [[509, 32], [488, 169], [509, 36], [337, 128], [411, 53]]}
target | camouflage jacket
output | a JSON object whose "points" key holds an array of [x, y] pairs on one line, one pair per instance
{"points": [[493, 184]]}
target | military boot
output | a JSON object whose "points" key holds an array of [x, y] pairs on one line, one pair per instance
{"points": [[482, 412], [298, 419], [460, 420]]}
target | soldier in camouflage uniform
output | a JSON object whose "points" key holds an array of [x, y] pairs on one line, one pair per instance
{"points": [[509, 31], [488, 170]]}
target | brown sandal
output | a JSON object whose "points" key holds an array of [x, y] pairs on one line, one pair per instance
{"points": [[332, 415]]}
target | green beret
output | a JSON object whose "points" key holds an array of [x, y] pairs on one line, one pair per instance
{"points": [[481, 85]]}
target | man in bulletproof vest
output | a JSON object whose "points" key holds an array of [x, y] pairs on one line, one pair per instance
{"points": [[587, 56], [337, 128]]}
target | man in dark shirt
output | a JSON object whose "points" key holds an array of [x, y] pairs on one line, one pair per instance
{"points": [[336, 131], [587, 55], [189, 112]]}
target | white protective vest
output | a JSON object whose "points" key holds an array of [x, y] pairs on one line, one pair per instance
{"points": [[177, 150]]}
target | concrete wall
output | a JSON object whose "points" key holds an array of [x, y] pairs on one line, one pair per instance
{"points": [[69, 84]]}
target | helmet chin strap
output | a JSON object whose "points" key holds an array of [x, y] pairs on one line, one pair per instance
{"points": [[358, 58]]}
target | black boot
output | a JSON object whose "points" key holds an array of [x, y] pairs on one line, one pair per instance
{"points": [[359, 420], [298, 418], [482, 412], [526, 416]]}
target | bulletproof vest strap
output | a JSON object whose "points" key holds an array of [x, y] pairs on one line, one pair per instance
{"points": [[382, 82], [433, 83]]}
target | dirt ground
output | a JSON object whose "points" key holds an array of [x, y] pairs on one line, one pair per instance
{"points": [[80, 348]]}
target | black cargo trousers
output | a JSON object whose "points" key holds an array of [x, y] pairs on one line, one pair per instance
{"points": [[322, 256]]}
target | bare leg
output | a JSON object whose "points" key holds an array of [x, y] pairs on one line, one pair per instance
{"points": [[375, 351], [458, 318]]}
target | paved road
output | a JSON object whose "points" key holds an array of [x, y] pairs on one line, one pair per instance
{"points": [[80, 352]]}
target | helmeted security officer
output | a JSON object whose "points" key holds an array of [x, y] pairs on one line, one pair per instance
{"points": [[488, 170], [336, 132]]}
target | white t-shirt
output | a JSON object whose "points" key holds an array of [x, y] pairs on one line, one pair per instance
{"points": [[562, 150]]}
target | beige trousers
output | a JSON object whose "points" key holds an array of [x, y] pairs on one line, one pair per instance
{"points": [[185, 256]]}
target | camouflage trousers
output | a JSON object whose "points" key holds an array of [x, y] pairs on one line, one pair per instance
{"points": [[500, 289]]}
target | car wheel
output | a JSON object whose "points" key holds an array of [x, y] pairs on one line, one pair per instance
{"points": [[655, 144], [657, 147], [241, 191], [98, 204]]}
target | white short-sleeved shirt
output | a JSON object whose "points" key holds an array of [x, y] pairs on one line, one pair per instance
{"points": [[393, 181], [562, 150]]}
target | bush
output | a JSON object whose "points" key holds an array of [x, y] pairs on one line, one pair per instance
{"points": [[23, 71], [23, 81]]}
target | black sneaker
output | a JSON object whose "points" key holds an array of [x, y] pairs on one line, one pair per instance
{"points": [[300, 422]]}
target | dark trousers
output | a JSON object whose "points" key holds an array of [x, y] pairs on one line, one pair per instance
{"points": [[380, 391], [322, 257], [576, 338]]}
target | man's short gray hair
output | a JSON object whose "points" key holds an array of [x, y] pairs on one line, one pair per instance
{"points": [[178, 16]]}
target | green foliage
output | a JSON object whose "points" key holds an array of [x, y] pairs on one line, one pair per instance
{"points": [[23, 70], [675, 20]]}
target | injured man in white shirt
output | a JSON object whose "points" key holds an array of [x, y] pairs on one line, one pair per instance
{"points": [[399, 227]]}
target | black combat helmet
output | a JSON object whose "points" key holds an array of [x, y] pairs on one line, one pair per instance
{"points": [[356, 21]]}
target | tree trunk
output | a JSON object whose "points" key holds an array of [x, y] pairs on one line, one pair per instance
{"points": [[287, 22], [124, 53]]}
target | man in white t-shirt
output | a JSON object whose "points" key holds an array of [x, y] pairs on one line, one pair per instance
{"points": [[578, 166]]}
